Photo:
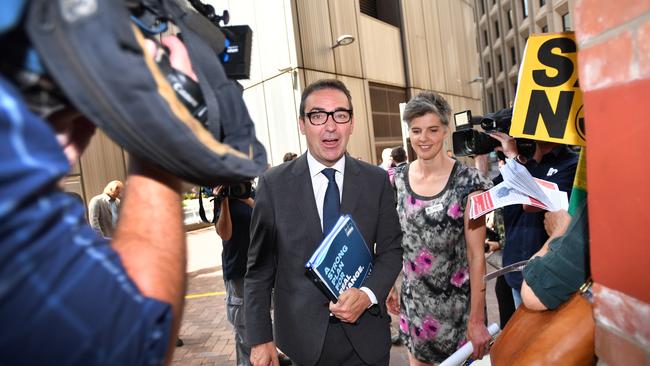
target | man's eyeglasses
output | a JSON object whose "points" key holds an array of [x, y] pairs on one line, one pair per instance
{"points": [[318, 118]]}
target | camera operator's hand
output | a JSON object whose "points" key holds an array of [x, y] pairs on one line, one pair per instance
{"points": [[178, 56], [508, 144], [216, 191], [73, 132]]}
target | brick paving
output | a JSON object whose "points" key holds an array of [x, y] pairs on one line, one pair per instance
{"points": [[205, 330]]}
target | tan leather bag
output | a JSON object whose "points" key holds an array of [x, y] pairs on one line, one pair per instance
{"points": [[564, 336]]}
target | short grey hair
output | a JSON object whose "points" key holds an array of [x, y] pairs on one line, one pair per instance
{"points": [[427, 102]]}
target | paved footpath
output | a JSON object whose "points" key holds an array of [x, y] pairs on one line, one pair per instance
{"points": [[205, 330]]}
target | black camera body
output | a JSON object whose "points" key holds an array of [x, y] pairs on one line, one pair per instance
{"points": [[238, 190], [468, 142]]}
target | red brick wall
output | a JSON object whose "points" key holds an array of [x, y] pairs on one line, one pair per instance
{"points": [[614, 63]]}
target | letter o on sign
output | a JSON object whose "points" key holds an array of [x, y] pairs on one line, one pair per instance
{"points": [[580, 122]]}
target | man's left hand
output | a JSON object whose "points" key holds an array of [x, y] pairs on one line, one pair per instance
{"points": [[352, 303], [556, 223]]}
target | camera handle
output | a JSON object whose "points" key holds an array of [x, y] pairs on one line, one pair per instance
{"points": [[187, 90]]}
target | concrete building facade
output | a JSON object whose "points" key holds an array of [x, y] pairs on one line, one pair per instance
{"points": [[503, 27], [400, 48]]}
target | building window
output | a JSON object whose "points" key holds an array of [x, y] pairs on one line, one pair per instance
{"points": [[545, 28], [491, 106], [566, 22], [482, 6], [488, 67], [542, 3], [500, 63], [385, 10], [485, 37], [509, 17], [496, 29], [514, 88], [524, 8], [384, 104], [513, 55], [503, 97]]}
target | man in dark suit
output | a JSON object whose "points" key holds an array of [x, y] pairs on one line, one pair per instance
{"points": [[291, 215]]}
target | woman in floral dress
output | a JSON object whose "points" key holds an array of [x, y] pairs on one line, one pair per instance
{"points": [[442, 299]]}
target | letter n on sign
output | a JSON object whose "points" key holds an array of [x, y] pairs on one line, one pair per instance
{"points": [[548, 104]]}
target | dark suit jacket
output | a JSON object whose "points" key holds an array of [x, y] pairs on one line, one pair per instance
{"points": [[285, 231]]}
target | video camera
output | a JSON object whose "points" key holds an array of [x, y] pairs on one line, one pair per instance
{"points": [[94, 57], [236, 42], [468, 142], [238, 191]]}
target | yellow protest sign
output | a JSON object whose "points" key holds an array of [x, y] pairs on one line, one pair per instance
{"points": [[548, 104]]}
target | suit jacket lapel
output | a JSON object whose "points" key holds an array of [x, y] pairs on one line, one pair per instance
{"points": [[302, 193], [352, 185]]}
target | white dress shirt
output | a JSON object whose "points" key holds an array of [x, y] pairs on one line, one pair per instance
{"points": [[319, 183]]}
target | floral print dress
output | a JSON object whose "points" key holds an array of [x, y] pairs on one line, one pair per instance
{"points": [[435, 295]]}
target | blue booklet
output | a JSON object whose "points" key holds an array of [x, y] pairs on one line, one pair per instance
{"points": [[341, 261]]}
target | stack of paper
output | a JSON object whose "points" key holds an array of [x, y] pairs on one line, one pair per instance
{"points": [[518, 187], [342, 260]]}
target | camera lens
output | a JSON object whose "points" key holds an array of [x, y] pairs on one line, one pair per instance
{"points": [[488, 124]]}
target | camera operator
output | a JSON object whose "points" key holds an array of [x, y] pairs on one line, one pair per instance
{"points": [[524, 225], [113, 302], [233, 227]]}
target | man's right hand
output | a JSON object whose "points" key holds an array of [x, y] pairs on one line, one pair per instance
{"points": [[508, 144], [264, 354]]}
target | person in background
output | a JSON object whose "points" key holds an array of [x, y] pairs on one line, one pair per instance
{"points": [[289, 156], [442, 299], [398, 156], [386, 161], [524, 225], [299, 202], [103, 209], [233, 228], [493, 243]]}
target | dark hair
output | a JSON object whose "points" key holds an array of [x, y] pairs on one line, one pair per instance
{"points": [[398, 154], [427, 102], [320, 85], [289, 156]]}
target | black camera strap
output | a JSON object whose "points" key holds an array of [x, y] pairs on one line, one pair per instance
{"points": [[202, 211]]}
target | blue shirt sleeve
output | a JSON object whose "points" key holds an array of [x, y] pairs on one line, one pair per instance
{"points": [[65, 297]]}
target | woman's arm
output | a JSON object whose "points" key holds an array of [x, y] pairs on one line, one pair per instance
{"points": [[475, 238]]}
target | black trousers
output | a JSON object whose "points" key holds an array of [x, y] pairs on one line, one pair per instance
{"points": [[337, 350], [504, 299]]}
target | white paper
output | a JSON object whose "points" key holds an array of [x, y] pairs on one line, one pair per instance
{"points": [[458, 357], [518, 187]]}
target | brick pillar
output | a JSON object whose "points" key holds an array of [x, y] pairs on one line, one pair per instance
{"points": [[614, 62]]}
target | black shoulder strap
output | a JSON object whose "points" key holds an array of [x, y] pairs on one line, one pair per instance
{"points": [[202, 211]]}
